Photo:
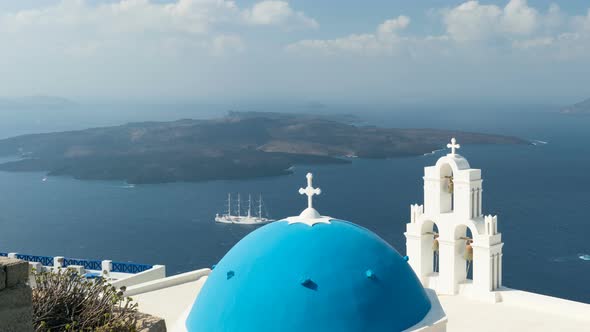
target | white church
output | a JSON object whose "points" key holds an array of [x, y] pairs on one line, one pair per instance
{"points": [[315, 273]]}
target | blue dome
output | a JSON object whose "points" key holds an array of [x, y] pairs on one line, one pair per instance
{"points": [[293, 278]]}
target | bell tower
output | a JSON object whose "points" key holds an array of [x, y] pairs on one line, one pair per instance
{"points": [[451, 186], [464, 242]]}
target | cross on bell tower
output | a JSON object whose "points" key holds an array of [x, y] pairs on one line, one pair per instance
{"points": [[453, 145]]}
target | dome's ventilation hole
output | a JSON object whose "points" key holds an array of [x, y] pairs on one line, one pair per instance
{"points": [[308, 283]]}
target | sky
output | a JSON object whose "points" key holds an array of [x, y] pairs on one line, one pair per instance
{"points": [[381, 51]]}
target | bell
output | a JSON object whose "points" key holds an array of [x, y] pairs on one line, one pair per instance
{"points": [[468, 254], [450, 184]]}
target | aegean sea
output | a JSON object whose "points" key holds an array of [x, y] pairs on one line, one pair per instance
{"points": [[539, 192]]}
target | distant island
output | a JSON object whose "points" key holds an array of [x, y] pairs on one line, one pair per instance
{"points": [[582, 107], [38, 101], [239, 145]]}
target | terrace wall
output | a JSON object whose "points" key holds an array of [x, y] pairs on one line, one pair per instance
{"points": [[16, 308]]}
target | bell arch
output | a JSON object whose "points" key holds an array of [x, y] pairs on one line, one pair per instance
{"points": [[464, 262], [430, 233], [444, 185], [446, 190]]}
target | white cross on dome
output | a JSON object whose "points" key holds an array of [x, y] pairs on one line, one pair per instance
{"points": [[309, 216], [310, 191]]}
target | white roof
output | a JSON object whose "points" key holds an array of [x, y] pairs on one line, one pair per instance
{"points": [[542, 314], [172, 298]]}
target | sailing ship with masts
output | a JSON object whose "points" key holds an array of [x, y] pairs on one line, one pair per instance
{"points": [[248, 219]]}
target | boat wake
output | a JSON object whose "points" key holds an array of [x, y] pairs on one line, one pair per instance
{"points": [[433, 152], [584, 257], [538, 142]]}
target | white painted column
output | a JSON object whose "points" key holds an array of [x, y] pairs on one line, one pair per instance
{"points": [[447, 276], [473, 202], [419, 251], [435, 198], [107, 266], [496, 270], [479, 201], [462, 200], [483, 271], [500, 269], [58, 261]]}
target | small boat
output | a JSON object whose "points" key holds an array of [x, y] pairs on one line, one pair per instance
{"points": [[248, 219]]}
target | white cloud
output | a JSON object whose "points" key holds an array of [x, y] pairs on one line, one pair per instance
{"points": [[474, 21], [125, 16], [582, 23], [471, 29], [392, 26], [471, 21], [562, 37], [276, 13], [225, 44], [554, 18], [533, 43], [77, 27], [188, 47], [518, 18], [383, 41]]}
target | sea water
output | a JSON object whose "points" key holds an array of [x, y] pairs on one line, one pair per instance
{"points": [[541, 194]]}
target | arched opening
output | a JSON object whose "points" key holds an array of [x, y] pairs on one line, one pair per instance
{"points": [[430, 229], [446, 189], [468, 254], [464, 253], [435, 250]]}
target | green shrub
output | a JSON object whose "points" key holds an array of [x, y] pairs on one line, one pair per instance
{"points": [[65, 301]]}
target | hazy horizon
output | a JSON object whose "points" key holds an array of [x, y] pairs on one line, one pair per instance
{"points": [[32, 120]]}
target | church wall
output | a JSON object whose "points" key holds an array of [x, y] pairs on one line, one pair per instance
{"points": [[167, 282], [155, 273]]}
